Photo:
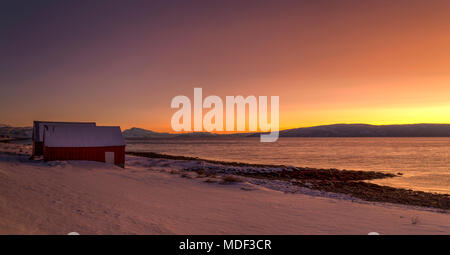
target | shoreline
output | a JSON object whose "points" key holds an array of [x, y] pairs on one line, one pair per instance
{"points": [[348, 182], [160, 196]]}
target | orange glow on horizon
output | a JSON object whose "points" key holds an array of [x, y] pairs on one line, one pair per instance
{"points": [[375, 62]]}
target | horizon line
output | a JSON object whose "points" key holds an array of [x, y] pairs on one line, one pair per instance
{"points": [[249, 132]]}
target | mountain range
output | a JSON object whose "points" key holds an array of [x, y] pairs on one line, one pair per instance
{"points": [[336, 130], [365, 130], [7, 131]]}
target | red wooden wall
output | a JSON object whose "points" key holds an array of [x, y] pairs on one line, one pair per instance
{"points": [[85, 153]]}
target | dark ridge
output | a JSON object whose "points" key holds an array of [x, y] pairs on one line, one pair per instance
{"points": [[364, 130]]}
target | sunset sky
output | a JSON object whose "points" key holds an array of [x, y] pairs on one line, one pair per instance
{"points": [[121, 62]]}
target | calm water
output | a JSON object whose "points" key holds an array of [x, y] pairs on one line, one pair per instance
{"points": [[424, 162]]}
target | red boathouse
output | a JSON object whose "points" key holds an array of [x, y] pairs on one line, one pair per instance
{"points": [[94, 143], [38, 133]]}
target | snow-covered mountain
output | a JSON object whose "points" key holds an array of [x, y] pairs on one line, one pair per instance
{"points": [[139, 133], [7, 131], [336, 130]]}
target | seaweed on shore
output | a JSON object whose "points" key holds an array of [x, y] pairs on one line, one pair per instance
{"points": [[227, 163]]}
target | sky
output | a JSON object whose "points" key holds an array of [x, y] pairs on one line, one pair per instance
{"points": [[122, 62]]}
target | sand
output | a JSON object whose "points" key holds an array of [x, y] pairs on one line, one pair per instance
{"points": [[150, 197]]}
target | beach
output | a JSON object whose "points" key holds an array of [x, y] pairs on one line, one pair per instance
{"points": [[155, 196]]}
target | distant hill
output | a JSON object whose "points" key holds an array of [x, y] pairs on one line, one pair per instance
{"points": [[364, 130], [7, 131], [139, 133]]}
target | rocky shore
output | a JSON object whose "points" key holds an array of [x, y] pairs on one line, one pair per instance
{"points": [[349, 182]]}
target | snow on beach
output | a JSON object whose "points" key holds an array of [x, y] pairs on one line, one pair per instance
{"points": [[155, 196]]}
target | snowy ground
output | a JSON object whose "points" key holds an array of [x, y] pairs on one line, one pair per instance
{"points": [[154, 196]]}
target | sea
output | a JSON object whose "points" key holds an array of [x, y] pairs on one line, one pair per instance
{"points": [[423, 162]]}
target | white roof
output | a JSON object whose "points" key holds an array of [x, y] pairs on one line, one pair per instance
{"points": [[82, 136], [39, 127]]}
